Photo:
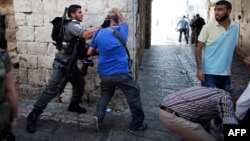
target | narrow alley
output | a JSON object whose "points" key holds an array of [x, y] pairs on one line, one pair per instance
{"points": [[167, 67]]}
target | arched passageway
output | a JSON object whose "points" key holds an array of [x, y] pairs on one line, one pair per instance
{"points": [[165, 15]]}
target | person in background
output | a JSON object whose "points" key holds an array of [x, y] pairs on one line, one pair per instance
{"points": [[198, 24], [183, 25], [113, 69], [188, 20], [192, 40], [8, 98]]}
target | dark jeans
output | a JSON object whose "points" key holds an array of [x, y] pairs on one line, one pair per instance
{"points": [[130, 89], [57, 84], [218, 81], [184, 31], [187, 32], [192, 36], [197, 31]]}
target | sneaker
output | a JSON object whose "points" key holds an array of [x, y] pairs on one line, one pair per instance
{"points": [[142, 128], [96, 123]]}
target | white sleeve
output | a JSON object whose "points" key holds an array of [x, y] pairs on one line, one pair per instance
{"points": [[243, 103]]}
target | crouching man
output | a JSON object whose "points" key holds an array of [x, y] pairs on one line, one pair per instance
{"points": [[185, 111]]}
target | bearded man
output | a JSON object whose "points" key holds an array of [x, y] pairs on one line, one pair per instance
{"points": [[216, 46]]}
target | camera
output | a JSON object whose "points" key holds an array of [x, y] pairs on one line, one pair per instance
{"points": [[86, 63], [106, 23]]}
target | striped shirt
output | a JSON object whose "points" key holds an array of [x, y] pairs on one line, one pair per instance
{"points": [[199, 104]]}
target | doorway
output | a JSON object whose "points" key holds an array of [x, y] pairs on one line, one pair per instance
{"points": [[165, 16]]}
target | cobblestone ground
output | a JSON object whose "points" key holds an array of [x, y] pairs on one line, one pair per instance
{"points": [[166, 68]]}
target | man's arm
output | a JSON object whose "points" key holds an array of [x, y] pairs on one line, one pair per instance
{"points": [[12, 99], [198, 58], [90, 51], [243, 56], [239, 53], [87, 34], [246, 61], [119, 14]]}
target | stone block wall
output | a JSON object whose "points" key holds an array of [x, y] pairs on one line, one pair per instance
{"points": [[241, 14], [31, 47]]}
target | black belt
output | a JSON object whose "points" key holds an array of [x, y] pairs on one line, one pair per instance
{"points": [[60, 61], [169, 110]]}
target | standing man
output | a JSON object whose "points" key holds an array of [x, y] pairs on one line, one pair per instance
{"points": [[186, 111], [192, 30], [188, 20], [59, 78], [113, 69], [215, 49], [198, 24], [8, 97], [183, 25]]}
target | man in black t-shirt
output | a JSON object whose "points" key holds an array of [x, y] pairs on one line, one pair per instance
{"points": [[198, 24]]}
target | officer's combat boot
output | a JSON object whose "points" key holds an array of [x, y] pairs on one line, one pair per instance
{"points": [[75, 107], [31, 120]]}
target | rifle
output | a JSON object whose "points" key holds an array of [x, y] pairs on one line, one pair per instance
{"points": [[79, 52], [61, 33]]}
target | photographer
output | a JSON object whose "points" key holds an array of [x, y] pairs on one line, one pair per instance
{"points": [[113, 69], [60, 76]]}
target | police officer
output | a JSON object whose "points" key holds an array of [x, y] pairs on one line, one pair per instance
{"points": [[59, 78]]}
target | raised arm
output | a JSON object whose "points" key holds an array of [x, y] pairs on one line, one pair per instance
{"points": [[119, 14], [243, 56]]}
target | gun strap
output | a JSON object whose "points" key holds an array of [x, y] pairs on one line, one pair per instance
{"points": [[119, 37]]}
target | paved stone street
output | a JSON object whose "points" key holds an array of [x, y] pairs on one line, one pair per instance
{"points": [[166, 68]]}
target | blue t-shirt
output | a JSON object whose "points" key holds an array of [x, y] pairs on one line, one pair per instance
{"points": [[182, 24], [112, 54]]}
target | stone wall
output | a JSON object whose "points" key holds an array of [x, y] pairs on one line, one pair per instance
{"points": [[30, 45], [241, 14]]}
